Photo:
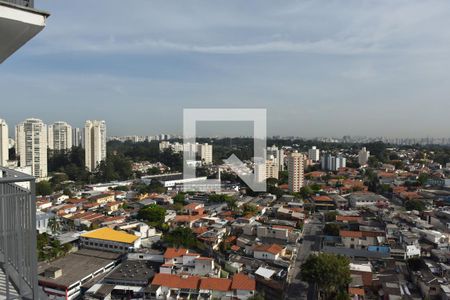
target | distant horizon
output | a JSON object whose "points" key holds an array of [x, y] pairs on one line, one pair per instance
{"points": [[11, 129]]}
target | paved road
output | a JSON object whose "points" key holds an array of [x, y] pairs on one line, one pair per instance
{"points": [[311, 242]]}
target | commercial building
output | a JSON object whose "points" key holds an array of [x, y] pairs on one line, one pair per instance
{"points": [[4, 143], [59, 136], [295, 171], [108, 239], [31, 146], [63, 278], [94, 143]]}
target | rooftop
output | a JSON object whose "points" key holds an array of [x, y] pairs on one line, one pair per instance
{"points": [[76, 266], [108, 234]]}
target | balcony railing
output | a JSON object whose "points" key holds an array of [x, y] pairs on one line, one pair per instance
{"points": [[18, 235], [25, 3]]}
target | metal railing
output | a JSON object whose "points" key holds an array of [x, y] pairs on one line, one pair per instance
{"points": [[25, 3], [18, 234]]}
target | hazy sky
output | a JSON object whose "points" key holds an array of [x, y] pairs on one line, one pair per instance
{"points": [[321, 68]]}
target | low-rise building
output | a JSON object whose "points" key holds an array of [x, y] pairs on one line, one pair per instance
{"points": [[108, 239]]}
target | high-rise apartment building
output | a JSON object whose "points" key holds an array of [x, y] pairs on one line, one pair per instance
{"points": [[76, 137], [4, 143], [295, 162], [59, 136], [278, 155], [31, 146], [363, 156], [333, 163], [272, 168], [314, 154], [205, 152], [94, 143]]}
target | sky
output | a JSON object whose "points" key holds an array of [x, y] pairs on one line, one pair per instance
{"points": [[320, 68]]}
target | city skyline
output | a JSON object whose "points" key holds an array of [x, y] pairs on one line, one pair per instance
{"points": [[379, 69]]}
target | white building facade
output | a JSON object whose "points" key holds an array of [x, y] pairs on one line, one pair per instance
{"points": [[4, 143], [60, 136], [314, 154], [94, 143], [31, 146]]}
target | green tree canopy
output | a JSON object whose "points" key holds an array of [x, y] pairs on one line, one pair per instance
{"points": [[330, 272], [44, 188], [181, 237], [153, 214], [331, 229], [415, 205]]}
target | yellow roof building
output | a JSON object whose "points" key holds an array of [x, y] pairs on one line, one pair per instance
{"points": [[108, 234]]}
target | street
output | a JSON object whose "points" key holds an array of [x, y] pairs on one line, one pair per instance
{"points": [[311, 242]]}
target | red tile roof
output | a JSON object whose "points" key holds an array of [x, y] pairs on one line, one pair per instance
{"points": [[349, 218], [273, 249], [173, 252], [175, 281], [215, 284], [352, 234], [243, 282], [322, 198], [356, 291]]}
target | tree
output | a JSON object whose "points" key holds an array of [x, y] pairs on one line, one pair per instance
{"points": [[415, 205], [330, 272], [44, 188], [330, 216], [231, 203], [423, 178], [154, 214], [180, 198], [331, 229], [250, 209], [306, 191], [53, 224], [181, 237]]}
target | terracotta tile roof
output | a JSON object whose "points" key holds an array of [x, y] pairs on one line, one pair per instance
{"points": [[76, 201], [191, 206], [235, 248], [174, 252], [356, 291], [348, 218], [199, 230], [175, 281], [352, 234], [215, 284], [321, 198], [243, 282], [273, 249], [187, 218]]}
